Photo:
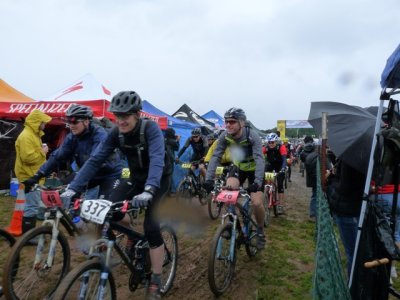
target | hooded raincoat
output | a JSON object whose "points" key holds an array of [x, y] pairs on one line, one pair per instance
{"points": [[28, 146]]}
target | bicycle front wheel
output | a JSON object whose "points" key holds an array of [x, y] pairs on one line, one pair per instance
{"points": [[85, 282], [214, 207], [27, 273], [221, 260], [170, 258], [251, 240]]}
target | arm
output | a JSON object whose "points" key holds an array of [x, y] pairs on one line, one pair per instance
{"points": [[63, 153], [94, 163], [258, 158], [210, 151], [216, 157], [156, 148], [283, 152], [28, 154], [187, 143]]}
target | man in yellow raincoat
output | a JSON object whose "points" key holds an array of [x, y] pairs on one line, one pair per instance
{"points": [[30, 155]]}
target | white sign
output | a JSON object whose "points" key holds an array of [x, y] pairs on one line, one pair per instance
{"points": [[95, 210]]}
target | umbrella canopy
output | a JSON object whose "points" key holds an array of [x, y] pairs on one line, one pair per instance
{"points": [[350, 131], [390, 77]]}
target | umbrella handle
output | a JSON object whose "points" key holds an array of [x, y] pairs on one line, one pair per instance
{"points": [[376, 263]]}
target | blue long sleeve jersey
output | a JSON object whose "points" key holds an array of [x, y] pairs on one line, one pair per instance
{"points": [[80, 148], [145, 163]]}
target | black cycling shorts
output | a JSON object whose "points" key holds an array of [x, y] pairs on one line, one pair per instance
{"points": [[243, 175]]}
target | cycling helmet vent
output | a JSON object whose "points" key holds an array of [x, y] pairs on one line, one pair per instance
{"points": [[79, 111], [126, 102]]}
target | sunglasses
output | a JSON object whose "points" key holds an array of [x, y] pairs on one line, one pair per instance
{"points": [[231, 122], [73, 121], [122, 116], [195, 136], [273, 142]]}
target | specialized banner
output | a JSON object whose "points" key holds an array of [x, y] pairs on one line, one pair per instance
{"points": [[16, 111], [298, 124], [281, 127]]}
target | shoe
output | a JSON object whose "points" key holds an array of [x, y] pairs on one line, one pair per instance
{"points": [[279, 209], [153, 292], [261, 241]]}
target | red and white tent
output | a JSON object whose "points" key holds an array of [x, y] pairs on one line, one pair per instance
{"points": [[86, 91]]}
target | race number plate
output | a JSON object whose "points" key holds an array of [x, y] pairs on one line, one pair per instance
{"points": [[51, 198], [228, 197], [186, 165], [219, 170], [269, 176], [95, 210]]}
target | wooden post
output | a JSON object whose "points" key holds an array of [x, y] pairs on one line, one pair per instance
{"points": [[323, 149]]}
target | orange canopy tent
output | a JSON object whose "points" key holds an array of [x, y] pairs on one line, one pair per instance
{"points": [[9, 94]]}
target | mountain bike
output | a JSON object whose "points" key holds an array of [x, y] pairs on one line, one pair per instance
{"points": [[191, 185], [214, 206], [33, 272], [93, 279], [6, 242], [230, 235], [271, 202]]}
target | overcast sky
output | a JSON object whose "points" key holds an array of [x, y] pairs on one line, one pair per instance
{"points": [[269, 57]]}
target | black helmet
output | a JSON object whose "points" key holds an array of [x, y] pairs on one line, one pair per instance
{"points": [[170, 133], [235, 113], [196, 131], [126, 102], [308, 139], [79, 111]]}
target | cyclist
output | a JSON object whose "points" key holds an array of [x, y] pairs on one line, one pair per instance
{"points": [[275, 160], [226, 157], [199, 146], [148, 180], [77, 146], [289, 157], [246, 153]]}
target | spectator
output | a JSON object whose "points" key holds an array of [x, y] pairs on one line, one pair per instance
{"points": [[30, 155], [171, 146], [345, 198]]}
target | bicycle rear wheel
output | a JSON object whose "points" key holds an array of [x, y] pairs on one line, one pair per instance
{"points": [[183, 191], [221, 262], [6, 242], [170, 258], [26, 273], [267, 215], [83, 282]]}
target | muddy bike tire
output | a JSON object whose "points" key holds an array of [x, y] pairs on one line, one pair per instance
{"points": [[91, 270], [250, 246], [183, 192], [214, 208], [170, 258], [217, 286], [275, 203], [21, 280]]}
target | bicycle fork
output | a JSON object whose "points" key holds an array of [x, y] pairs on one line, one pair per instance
{"points": [[53, 242], [232, 242]]}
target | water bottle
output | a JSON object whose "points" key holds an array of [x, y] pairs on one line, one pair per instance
{"points": [[80, 224]]}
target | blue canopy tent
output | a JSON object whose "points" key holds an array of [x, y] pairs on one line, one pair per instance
{"points": [[215, 118], [182, 129]]}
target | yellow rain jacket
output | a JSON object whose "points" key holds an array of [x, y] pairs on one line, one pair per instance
{"points": [[226, 157], [28, 146]]}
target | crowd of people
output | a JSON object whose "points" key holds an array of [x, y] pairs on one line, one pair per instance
{"points": [[150, 154]]}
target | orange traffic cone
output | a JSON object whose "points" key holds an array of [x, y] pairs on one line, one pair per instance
{"points": [[15, 227]]}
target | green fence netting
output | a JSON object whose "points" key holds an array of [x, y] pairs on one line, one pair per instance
{"points": [[329, 280]]}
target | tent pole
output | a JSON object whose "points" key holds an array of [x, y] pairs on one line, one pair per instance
{"points": [[366, 189]]}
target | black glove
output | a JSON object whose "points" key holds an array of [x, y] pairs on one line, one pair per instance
{"points": [[208, 186], [253, 188], [30, 182], [144, 199]]}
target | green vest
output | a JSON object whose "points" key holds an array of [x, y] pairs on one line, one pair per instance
{"points": [[247, 163]]}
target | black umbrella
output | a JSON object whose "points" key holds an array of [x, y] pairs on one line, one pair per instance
{"points": [[350, 131]]}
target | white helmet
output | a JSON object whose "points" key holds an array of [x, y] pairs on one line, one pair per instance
{"points": [[272, 137]]}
